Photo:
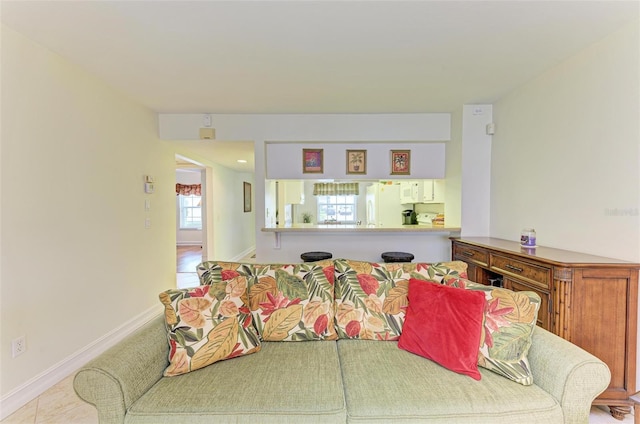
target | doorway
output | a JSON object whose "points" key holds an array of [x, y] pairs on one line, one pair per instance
{"points": [[191, 222]]}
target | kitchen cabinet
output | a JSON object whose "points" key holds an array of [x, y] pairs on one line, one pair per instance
{"points": [[433, 191], [588, 300], [293, 192]]}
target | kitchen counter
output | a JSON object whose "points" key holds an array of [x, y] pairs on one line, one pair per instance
{"points": [[342, 228], [426, 242]]}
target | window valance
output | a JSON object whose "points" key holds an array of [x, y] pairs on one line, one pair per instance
{"points": [[336, 189], [188, 189]]}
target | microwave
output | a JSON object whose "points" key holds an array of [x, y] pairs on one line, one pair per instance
{"points": [[411, 192]]}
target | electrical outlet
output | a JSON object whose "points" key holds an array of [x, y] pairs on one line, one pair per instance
{"points": [[19, 346]]}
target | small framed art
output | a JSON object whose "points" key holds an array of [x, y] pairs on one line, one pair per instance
{"points": [[357, 162], [400, 162], [312, 161], [247, 196]]}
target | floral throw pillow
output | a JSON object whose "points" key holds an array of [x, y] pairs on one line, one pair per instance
{"points": [[207, 324], [510, 319], [293, 302], [371, 298]]}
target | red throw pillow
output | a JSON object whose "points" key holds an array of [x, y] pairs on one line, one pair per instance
{"points": [[444, 324]]}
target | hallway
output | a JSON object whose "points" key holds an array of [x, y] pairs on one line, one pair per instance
{"points": [[188, 258]]}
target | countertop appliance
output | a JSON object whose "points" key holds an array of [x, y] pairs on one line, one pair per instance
{"points": [[426, 218], [406, 217]]}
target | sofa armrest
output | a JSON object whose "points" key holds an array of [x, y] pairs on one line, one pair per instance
{"points": [[570, 374], [114, 380]]}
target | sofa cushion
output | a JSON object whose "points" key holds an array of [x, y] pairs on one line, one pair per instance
{"points": [[213, 272], [284, 383], [510, 319], [207, 324], [444, 324], [371, 297], [293, 302], [384, 384]]}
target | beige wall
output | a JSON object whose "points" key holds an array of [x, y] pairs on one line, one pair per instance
{"points": [[77, 261], [565, 156], [231, 242]]}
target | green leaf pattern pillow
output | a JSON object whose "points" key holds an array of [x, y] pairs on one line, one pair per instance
{"points": [[293, 302], [510, 319], [371, 298]]}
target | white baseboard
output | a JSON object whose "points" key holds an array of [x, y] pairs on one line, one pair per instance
{"points": [[243, 254], [34, 387], [189, 243]]}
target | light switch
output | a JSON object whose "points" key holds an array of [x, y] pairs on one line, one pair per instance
{"points": [[147, 223], [147, 205]]}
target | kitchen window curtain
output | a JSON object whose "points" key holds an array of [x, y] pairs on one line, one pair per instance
{"points": [[188, 189], [336, 189]]}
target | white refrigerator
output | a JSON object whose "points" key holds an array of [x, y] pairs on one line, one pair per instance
{"points": [[383, 205]]}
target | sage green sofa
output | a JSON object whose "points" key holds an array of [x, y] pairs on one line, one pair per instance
{"points": [[347, 380]]}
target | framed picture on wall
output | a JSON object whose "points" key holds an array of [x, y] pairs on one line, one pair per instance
{"points": [[247, 196], [312, 161], [357, 162], [400, 162]]}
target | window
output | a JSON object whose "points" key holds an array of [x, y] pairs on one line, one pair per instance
{"points": [[190, 212], [340, 209]]}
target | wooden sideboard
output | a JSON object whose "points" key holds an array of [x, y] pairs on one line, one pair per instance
{"points": [[588, 300]]}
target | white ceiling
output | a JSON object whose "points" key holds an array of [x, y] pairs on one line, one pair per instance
{"points": [[316, 56]]}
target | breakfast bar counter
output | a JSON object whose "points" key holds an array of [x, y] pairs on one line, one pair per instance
{"points": [[429, 243], [340, 228]]}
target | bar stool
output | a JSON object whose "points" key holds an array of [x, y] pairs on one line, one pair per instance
{"points": [[392, 257], [315, 256]]}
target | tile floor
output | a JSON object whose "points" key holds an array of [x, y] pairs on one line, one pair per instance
{"points": [[60, 405]]}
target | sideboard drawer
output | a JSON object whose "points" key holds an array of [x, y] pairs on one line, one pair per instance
{"points": [[532, 274], [469, 254]]}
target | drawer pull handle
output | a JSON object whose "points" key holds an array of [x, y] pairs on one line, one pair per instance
{"points": [[467, 253], [513, 268]]}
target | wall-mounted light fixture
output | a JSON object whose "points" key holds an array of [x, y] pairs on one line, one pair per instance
{"points": [[207, 133]]}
